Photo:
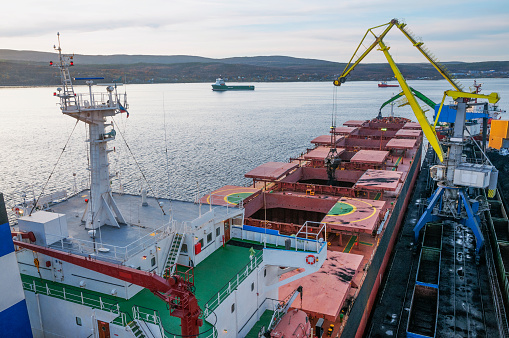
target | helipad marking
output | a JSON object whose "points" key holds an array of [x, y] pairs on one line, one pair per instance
{"points": [[233, 193], [235, 198], [339, 207], [362, 219]]}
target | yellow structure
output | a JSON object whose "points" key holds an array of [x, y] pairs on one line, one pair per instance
{"points": [[499, 131], [457, 93]]}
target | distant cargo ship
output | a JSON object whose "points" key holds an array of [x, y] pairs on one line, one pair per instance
{"points": [[384, 84], [220, 85]]}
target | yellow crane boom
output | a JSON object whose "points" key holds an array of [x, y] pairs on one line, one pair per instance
{"points": [[428, 130], [418, 112]]}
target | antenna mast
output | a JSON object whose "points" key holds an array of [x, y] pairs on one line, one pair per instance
{"points": [[93, 109]]}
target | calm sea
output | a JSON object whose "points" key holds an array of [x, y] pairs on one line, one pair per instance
{"points": [[187, 139]]}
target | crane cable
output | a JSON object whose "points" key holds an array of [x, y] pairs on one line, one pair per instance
{"points": [[166, 152], [167, 161], [51, 174]]}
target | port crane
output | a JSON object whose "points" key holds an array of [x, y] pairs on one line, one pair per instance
{"points": [[450, 199], [176, 290]]}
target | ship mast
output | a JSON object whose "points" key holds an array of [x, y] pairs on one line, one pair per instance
{"points": [[93, 108]]}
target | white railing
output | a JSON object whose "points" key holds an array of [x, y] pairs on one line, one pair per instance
{"points": [[306, 230], [233, 284], [149, 316], [152, 316], [274, 238], [94, 101], [71, 295], [119, 253]]}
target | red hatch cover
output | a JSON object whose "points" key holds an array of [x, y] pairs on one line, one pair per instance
{"points": [[320, 153], [344, 130], [370, 156], [408, 133], [354, 123], [271, 170], [401, 143], [326, 140], [412, 125], [379, 180]]}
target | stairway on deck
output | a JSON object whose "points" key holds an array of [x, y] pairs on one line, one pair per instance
{"points": [[173, 253], [136, 329]]}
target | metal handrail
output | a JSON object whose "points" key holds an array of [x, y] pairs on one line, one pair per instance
{"points": [[216, 300], [116, 252]]}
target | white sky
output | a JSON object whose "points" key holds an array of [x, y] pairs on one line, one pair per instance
{"points": [[454, 30]]}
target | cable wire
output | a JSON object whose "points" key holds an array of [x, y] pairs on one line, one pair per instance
{"points": [[138, 165], [51, 174]]}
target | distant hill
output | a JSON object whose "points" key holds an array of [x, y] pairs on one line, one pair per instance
{"points": [[30, 68], [122, 59]]}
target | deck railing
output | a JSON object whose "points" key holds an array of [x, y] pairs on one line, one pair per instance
{"points": [[113, 252], [309, 237], [71, 295], [87, 299], [232, 285]]}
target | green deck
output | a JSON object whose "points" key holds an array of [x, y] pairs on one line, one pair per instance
{"points": [[209, 276], [264, 321]]}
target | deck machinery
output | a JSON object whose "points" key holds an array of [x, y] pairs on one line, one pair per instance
{"points": [[455, 175]]}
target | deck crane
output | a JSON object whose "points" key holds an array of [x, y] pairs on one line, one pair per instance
{"points": [[176, 290], [450, 199]]}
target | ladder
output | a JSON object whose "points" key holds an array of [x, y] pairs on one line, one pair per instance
{"points": [[174, 252], [136, 329]]}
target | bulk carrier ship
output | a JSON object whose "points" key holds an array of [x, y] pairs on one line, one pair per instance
{"points": [[100, 263], [302, 250]]}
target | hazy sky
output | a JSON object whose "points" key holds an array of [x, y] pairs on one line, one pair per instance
{"points": [[454, 30]]}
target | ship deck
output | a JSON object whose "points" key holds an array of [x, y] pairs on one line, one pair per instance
{"points": [[264, 321], [362, 209], [228, 260], [332, 281], [143, 222]]}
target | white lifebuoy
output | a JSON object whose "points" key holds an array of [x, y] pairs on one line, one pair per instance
{"points": [[311, 259]]}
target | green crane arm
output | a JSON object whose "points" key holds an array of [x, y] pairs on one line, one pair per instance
{"points": [[392, 99], [417, 93]]}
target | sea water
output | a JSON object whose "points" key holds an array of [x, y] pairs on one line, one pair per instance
{"points": [[184, 140]]}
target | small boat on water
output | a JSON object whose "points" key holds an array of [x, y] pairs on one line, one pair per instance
{"points": [[220, 85], [384, 84]]}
